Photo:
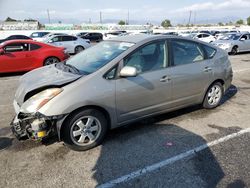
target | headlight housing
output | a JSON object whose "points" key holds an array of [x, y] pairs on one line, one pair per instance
{"points": [[37, 101]]}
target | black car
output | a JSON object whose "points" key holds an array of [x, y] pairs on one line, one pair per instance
{"points": [[93, 37], [16, 37]]}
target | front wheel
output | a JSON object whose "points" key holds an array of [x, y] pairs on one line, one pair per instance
{"points": [[213, 96], [84, 130]]}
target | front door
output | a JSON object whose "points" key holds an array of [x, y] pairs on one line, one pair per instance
{"points": [[150, 91]]}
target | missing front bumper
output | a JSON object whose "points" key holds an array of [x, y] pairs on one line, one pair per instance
{"points": [[33, 126]]}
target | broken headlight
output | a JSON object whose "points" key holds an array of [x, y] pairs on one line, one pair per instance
{"points": [[34, 103]]}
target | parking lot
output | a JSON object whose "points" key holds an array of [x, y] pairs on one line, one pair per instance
{"points": [[169, 150]]}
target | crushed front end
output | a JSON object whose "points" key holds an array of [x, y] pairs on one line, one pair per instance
{"points": [[34, 126]]}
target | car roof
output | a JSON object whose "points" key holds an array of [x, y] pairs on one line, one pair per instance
{"points": [[144, 38], [23, 41], [136, 38], [203, 33]]}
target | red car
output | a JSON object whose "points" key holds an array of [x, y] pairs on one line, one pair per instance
{"points": [[25, 55]]}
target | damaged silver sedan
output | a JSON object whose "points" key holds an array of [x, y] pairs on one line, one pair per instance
{"points": [[116, 82]]}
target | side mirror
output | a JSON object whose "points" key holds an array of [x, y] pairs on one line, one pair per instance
{"points": [[242, 39], [128, 71], [1, 51]]}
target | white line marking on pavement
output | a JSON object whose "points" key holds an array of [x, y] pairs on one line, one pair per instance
{"points": [[169, 161], [242, 70]]}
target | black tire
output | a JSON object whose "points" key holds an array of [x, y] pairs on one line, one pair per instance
{"points": [[50, 60], [70, 124], [207, 102], [234, 50], [78, 49]]}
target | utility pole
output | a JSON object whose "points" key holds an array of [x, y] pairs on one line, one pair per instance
{"points": [[194, 18], [190, 14], [90, 21], [100, 17], [128, 18], [48, 15]]}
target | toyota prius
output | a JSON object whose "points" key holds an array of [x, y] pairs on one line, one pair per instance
{"points": [[117, 82]]}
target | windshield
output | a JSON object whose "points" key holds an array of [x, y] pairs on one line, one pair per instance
{"points": [[95, 57], [230, 37]]}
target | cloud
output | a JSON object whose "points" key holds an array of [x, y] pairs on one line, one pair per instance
{"points": [[226, 5]]}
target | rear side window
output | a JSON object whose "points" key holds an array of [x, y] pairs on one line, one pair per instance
{"points": [[67, 38], [34, 47], [209, 51], [186, 52]]}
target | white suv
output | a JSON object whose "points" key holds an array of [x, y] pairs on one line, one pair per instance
{"points": [[72, 44]]}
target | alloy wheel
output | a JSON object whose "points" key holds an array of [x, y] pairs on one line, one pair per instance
{"points": [[51, 60], [85, 130], [214, 95]]}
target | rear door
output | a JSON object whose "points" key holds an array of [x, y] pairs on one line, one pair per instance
{"points": [[69, 42], [190, 71], [150, 91]]}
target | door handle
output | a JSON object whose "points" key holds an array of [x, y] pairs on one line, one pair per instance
{"points": [[207, 69], [165, 79]]}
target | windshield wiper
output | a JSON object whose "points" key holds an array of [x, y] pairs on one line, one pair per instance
{"points": [[72, 67]]}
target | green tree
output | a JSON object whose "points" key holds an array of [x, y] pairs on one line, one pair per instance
{"points": [[121, 22], [240, 22], [248, 20], [166, 23], [220, 24], [9, 19]]}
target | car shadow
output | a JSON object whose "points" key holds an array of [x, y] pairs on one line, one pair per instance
{"points": [[135, 146], [12, 74]]}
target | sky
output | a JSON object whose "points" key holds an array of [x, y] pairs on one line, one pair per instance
{"points": [[143, 11]]}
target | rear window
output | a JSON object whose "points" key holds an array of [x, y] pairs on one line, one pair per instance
{"points": [[209, 51], [34, 47]]}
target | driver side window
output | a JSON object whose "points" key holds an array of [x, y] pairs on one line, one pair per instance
{"points": [[148, 58], [16, 47]]}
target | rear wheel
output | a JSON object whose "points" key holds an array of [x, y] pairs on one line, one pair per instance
{"points": [[213, 96], [78, 49], [84, 130], [50, 60], [234, 50]]}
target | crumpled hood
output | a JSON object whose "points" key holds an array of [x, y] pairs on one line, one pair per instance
{"points": [[42, 77]]}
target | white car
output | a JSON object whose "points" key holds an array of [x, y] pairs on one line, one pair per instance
{"points": [[234, 43], [205, 37], [72, 44], [114, 34], [39, 35]]}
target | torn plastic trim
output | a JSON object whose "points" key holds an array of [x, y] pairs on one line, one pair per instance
{"points": [[36, 126]]}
